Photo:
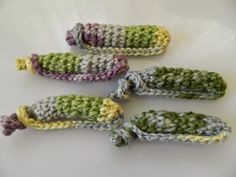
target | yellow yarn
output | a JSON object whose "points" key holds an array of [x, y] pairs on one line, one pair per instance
{"points": [[25, 64], [162, 39], [24, 118], [204, 139], [109, 111]]}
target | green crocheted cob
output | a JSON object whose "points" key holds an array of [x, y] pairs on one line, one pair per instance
{"points": [[58, 112], [122, 40], [171, 126], [74, 67], [172, 82]]}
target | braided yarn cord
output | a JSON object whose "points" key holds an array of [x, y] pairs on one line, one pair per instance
{"points": [[74, 67], [69, 111], [171, 82], [165, 126], [141, 40]]}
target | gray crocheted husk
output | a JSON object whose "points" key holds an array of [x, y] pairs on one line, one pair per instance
{"points": [[171, 82]]}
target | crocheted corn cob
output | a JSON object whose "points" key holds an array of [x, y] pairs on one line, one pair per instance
{"points": [[120, 40], [60, 112], [172, 82], [171, 126], [72, 67]]}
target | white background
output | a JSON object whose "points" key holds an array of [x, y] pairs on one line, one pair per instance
{"points": [[203, 37]]}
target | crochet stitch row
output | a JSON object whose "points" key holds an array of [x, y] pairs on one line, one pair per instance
{"points": [[66, 112], [72, 67], [171, 82], [168, 126], [120, 40], [73, 111]]}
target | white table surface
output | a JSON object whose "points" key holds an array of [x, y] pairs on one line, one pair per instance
{"points": [[203, 37]]}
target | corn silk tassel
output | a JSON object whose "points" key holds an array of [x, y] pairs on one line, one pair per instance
{"points": [[74, 67], [171, 82], [141, 40], [59, 112], [165, 126]]}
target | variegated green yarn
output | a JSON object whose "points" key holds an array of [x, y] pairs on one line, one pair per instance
{"points": [[172, 122], [171, 126], [74, 63], [136, 40], [89, 109], [68, 107], [68, 111], [74, 67], [172, 82], [73, 111]]}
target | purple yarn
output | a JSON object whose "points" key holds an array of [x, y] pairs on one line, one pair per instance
{"points": [[70, 39], [86, 36], [101, 41], [89, 35], [10, 124], [121, 67]]}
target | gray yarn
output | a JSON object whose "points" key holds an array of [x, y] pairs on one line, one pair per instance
{"points": [[77, 33], [46, 110], [147, 83], [129, 130]]}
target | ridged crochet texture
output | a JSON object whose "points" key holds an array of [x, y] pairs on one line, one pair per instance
{"points": [[74, 67], [171, 82], [58, 112], [73, 111], [165, 126], [120, 40]]}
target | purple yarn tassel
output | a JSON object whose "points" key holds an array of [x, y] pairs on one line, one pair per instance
{"points": [[10, 124]]}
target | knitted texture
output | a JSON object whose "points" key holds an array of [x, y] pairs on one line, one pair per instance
{"points": [[172, 82], [75, 68], [121, 40], [65, 112], [171, 126]]}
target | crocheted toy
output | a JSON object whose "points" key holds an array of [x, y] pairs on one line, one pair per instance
{"points": [[73, 111], [121, 40], [60, 112], [72, 67], [171, 82], [171, 126]]}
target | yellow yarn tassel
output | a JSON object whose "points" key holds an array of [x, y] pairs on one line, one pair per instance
{"points": [[25, 64]]}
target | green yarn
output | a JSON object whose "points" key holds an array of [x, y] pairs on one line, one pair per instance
{"points": [[60, 62], [141, 36], [171, 82], [166, 126], [79, 106], [170, 122], [191, 80]]}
